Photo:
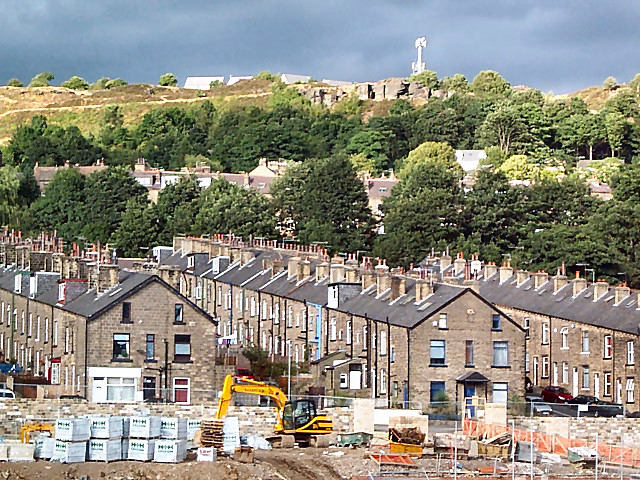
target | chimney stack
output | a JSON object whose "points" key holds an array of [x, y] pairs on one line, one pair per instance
{"points": [[382, 277], [292, 266], [246, 256], [559, 281], [490, 269], [621, 292], [445, 261], [540, 279], [351, 270], [505, 271], [398, 286], [521, 277], [107, 277], [423, 289], [459, 264], [336, 270], [304, 270], [368, 275], [579, 284], [322, 270], [600, 289]]}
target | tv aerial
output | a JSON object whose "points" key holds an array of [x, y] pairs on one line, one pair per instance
{"points": [[419, 65]]}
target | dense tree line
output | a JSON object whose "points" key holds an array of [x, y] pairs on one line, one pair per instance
{"points": [[527, 136]]}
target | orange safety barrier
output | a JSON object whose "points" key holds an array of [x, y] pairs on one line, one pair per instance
{"points": [[628, 456]]}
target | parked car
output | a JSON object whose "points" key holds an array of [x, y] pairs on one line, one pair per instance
{"points": [[600, 408], [585, 400], [538, 406], [556, 394], [6, 393], [243, 374]]}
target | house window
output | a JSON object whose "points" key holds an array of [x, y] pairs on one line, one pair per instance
{"points": [[22, 323], [349, 332], [585, 341], [527, 324], [607, 384], [437, 352], [630, 390], [46, 329], [2, 314], [442, 321], [227, 301], [55, 333], [126, 312], [564, 335], [38, 328], [264, 310], [121, 389], [585, 377], [332, 330], [630, 356], [383, 342], [304, 320], [495, 322], [30, 331], [219, 299], [365, 338], [565, 373], [437, 393], [393, 354], [178, 317], [182, 345], [608, 346], [500, 354], [383, 381], [290, 317], [468, 353], [545, 333], [66, 339], [527, 362], [545, 367], [150, 348], [121, 346], [500, 391]]}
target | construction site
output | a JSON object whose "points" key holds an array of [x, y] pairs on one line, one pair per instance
{"points": [[58, 438]]}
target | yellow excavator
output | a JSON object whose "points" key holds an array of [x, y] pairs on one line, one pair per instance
{"points": [[298, 421]]}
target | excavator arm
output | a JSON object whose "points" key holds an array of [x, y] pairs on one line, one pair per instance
{"points": [[252, 387]]}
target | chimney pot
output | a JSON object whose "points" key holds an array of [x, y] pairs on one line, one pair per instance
{"points": [[505, 273], [600, 288]]}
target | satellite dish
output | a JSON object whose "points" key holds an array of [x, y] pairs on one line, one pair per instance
{"points": [[421, 42]]}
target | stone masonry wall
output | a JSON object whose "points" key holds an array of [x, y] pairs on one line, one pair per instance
{"points": [[253, 420]]}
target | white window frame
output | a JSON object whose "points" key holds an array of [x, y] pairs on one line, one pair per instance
{"points": [[333, 329], [545, 367], [290, 317], [442, 321], [564, 336], [349, 332], [607, 384], [584, 344], [607, 349], [252, 307], [383, 381], [383, 342], [30, 329], [188, 387], [38, 328], [565, 373], [585, 385], [630, 388], [630, 353], [55, 333], [545, 333]]}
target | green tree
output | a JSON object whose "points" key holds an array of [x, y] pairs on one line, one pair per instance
{"points": [[138, 230], [42, 79], [168, 80], [116, 82], [428, 79], [9, 195], [325, 202], [216, 84], [610, 83], [491, 83], [429, 153], [14, 82], [502, 127], [177, 207], [350, 105], [267, 76], [615, 125], [285, 96], [107, 193], [457, 83], [193, 161], [112, 115], [100, 84], [519, 167], [63, 207], [230, 208], [373, 145], [422, 212], [76, 83]]}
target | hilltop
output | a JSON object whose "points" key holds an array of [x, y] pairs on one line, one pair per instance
{"points": [[81, 108]]}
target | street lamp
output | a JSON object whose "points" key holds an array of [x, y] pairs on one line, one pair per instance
{"points": [[289, 368]]}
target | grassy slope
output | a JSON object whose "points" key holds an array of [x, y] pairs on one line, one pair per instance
{"points": [[83, 108]]}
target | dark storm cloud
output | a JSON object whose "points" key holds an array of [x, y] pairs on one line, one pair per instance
{"points": [[551, 45]]}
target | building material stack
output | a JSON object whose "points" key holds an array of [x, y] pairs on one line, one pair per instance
{"points": [[193, 425], [106, 438], [71, 436], [143, 434], [212, 433], [172, 446]]}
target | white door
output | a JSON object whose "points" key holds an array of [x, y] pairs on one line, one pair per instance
{"points": [[618, 391], [555, 373], [355, 379], [575, 381], [99, 390], [535, 371], [596, 385]]}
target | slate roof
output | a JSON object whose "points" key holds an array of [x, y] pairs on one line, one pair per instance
{"points": [[624, 317]]}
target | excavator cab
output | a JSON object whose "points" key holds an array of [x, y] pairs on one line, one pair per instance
{"points": [[297, 414]]}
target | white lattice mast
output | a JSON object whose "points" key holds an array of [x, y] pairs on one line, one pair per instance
{"points": [[419, 66]]}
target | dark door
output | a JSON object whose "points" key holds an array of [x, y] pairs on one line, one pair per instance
{"points": [[148, 387], [469, 391]]}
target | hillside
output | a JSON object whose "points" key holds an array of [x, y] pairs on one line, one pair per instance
{"points": [[82, 107]]}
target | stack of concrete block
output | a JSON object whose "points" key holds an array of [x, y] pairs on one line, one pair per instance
{"points": [[193, 425], [71, 437], [17, 452], [44, 446], [143, 434], [172, 447], [106, 438]]}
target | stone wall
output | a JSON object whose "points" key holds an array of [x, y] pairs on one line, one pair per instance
{"points": [[253, 420], [614, 431]]}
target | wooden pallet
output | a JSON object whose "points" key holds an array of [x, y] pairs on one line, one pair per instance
{"points": [[211, 433]]}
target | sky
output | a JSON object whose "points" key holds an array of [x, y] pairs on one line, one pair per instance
{"points": [[559, 46]]}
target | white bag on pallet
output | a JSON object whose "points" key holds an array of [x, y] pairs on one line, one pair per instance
{"points": [[173, 428], [106, 427], [193, 425], [44, 446], [170, 451], [73, 429], [144, 427], [141, 449], [69, 452], [105, 450]]}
